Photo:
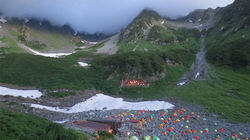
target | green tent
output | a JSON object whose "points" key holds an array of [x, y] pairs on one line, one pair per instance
{"points": [[147, 138], [156, 138], [134, 138]]}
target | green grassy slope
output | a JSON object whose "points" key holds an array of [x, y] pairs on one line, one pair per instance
{"points": [[21, 126], [226, 93], [11, 45], [52, 39], [182, 39], [228, 41], [52, 73]]}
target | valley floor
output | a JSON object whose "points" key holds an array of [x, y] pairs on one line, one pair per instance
{"points": [[184, 121], [217, 107]]}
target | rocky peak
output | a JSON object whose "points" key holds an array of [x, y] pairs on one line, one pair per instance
{"points": [[138, 28]]}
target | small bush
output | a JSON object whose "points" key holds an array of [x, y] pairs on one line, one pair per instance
{"points": [[61, 94]]}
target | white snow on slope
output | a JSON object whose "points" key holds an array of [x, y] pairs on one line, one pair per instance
{"points": [[3, 20], [105, 102], [182, 83], [61, 122], [23, 93], [197, 74], [83, 64], [55, 55]]}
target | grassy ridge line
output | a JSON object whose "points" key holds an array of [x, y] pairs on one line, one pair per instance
{"points": [[29, 127]]}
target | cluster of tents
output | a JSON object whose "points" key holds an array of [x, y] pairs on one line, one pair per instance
{"points": [[134, 82], [145, 138]]}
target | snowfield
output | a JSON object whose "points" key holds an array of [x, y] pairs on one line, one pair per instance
{"points": [[83, 64], [23, 93], [182, 83], [105, 102], [55, 55]]}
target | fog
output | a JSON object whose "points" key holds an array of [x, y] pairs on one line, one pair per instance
{"points": [[106, 16]]}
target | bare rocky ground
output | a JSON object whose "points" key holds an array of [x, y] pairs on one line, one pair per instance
{"points": [[199, 69], [185, 121], [110, 47]]}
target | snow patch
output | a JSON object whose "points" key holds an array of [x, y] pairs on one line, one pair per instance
{"points": [[55, 55], [197, 74], [92, 43], [75, 33], [83, 64], [61, 122], [23, 93], [3, 20], [105, 102], [26, 20], [182, 83]]}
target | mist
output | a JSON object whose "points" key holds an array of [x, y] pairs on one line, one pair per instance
{"points": [[100, 16]]}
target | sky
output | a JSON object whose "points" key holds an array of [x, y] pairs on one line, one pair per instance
{"points": [[100, 16]]}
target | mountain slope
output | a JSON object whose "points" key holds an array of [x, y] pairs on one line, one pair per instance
{"points": [[228, 42], [138, 28], [200, 15]]}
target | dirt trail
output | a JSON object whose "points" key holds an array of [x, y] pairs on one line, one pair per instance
{"points": [[199, 69]]}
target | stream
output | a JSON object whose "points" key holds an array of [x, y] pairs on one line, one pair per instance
{"points": [[199, 69]]}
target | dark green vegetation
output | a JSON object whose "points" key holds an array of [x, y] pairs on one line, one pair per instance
{"points": [[61, 94], [161, 35], [79, 44], [28, 127], [136, 64], [106, 135], [53, 73], [228, 41], [140, 64]]}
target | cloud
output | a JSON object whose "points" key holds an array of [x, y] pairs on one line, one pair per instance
{"points": [[92, 16]]}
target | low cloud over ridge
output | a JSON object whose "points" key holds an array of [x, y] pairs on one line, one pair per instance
{"points": [[107, 16]]}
